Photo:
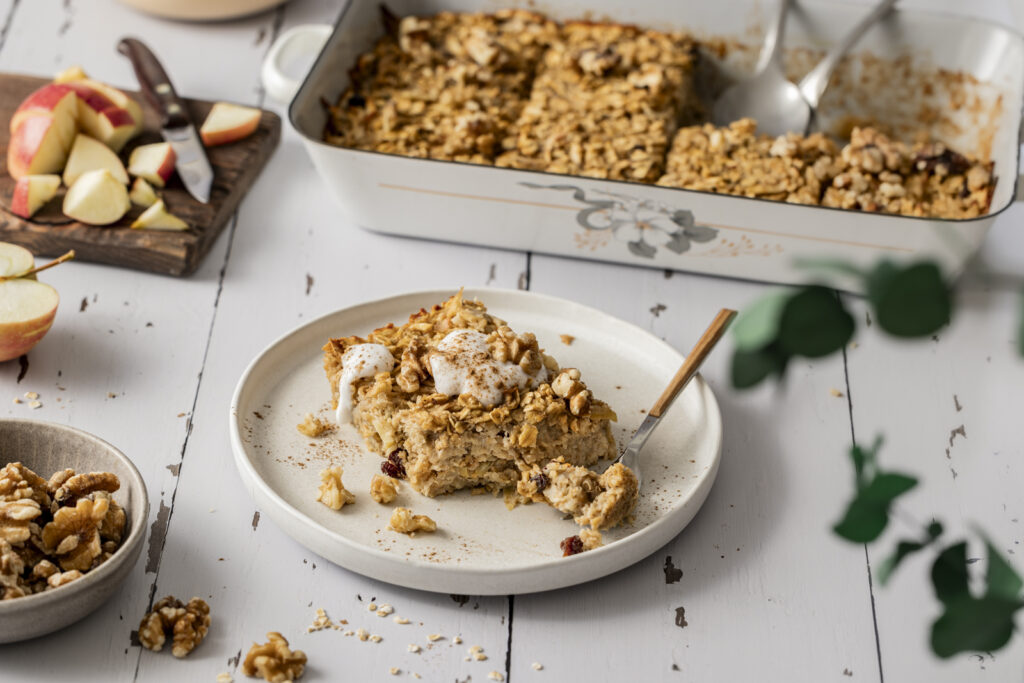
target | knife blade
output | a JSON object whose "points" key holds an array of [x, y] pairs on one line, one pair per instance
{"points": [[176, 126]]}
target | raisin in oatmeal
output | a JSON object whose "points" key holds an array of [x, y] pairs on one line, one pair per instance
{"points": [[455, 399], [607, 100]]}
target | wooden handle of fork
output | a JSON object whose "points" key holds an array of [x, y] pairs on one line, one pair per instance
{"points": [[694, 360]]}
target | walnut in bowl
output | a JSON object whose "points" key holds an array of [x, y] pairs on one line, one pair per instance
{"points": [[95, 526]]}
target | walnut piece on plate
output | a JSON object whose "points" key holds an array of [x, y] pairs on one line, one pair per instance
{"points": [[382, 489], [332, 491], [403, 521], [313, 426], [186, 624], [274, 661]]}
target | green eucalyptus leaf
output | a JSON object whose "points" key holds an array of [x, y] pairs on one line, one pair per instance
{"points": [[864, 461], [750, 368], [814, 323], [889, 564], [910, 301], [1001, 580], [970, 624], [758, 324], [949, 573], [868, 513]]}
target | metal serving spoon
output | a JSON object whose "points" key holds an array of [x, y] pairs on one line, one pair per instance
{"points": [[779, 105], [631, 456]]}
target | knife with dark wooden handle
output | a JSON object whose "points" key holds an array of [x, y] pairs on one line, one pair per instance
{"points": [[176, 126]]}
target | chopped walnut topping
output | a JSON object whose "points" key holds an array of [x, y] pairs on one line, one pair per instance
{"points": [[73, 535], [313, 426], [382, 489], [332, 491], [567, 339], [187, 624], [274, 661], [403, 521]]}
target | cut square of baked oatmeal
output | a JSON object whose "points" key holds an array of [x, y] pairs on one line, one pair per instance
{"points": [[605, 103], [455, 399]]}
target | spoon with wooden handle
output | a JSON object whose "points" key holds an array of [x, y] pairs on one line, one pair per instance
{"points": [[631, 456]]}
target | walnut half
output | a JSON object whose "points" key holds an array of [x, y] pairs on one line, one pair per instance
{"points": [[332, 491], [382, 489], [403, 521], [187, 625], [274, 661]]}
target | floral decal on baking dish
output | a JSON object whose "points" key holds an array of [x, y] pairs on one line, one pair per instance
{"points": [[643, 224]]}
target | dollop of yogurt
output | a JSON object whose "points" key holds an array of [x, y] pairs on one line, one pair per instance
{"points": [[358, 362], [463, 365]]}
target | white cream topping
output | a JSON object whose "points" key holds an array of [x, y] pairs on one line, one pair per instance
{"points": [[358, 362], [463, 365]]}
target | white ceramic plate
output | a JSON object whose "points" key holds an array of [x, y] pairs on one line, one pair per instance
{"points": [[480, 547]]}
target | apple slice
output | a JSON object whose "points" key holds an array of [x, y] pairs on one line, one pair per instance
{"points": [[72, 73], [89, 154], [157, 217], [96, 198], [104, 117], [27, 310], [31, 192], [143, 193], [15, 260], [154, 163], [42, 130], [228, 122]]}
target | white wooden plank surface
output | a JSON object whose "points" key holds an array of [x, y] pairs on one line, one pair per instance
{"points": [[767, 591]]}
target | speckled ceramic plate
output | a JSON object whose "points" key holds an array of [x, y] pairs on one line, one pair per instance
{"points": [[480, 547]]}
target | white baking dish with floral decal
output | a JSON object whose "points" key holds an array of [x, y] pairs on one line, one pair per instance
{"points": [[959, 80]]}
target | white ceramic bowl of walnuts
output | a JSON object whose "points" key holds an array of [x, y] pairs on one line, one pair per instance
{"points": [[65, 546]]}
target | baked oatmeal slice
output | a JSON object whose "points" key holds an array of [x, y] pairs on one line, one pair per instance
{"points": [[599, 501], [455, 399], [734, 159], [443, 87], [605, 103]]}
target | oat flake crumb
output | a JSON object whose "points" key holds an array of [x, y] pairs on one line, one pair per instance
{"points": [[375, 639], [349, 633], [457, 640], [495, 676], [31, 394], [362, 634], [415, 675], [385, 610], [835, 392], [394, 671], [372, 607], [35, 404], [476, 648], [413, 647], [537, 666], [479, 656], [434, 636], [400, 620], [17, 400], [224, 677]]}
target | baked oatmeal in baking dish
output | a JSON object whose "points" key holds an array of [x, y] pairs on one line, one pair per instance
{"points": [[606, 100], [455, 399]]}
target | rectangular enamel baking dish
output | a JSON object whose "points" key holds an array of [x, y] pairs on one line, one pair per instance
{"points": [[964, 77]]}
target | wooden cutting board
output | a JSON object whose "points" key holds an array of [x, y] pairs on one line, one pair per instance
{"points": [[49, 233]]}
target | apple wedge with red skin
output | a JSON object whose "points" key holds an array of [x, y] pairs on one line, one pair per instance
{"points": [[31, 192], [228, 122], [96, 198], [110, 119], [42, 131], [154, 163], [89, 154], [27, 307]]}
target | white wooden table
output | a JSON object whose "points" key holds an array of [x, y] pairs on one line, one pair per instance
{"points": [[766, 591]]}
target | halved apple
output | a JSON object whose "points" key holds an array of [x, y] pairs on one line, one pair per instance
{"points": [[228, 122], [89, 154], [154, 163], [143, 194], [31, 192], [42, 131], [27, 310], [96, 198], [15, 260], [157, 217]]}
